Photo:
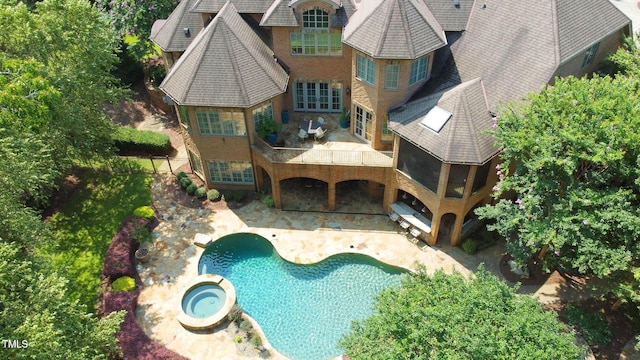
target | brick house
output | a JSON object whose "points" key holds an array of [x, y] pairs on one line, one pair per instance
{"points": [[422, 81]]}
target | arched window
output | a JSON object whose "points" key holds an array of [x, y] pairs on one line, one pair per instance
{"points": [[315, 19]]}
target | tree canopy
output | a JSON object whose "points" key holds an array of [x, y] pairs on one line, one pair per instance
{"points": [[443, 316], [570, 157], [54, 84]]}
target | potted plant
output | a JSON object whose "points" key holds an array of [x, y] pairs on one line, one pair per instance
{"points": [[267, 129], [344, 118]]}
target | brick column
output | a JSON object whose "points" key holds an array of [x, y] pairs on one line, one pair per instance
{"points": [[332, 196]]}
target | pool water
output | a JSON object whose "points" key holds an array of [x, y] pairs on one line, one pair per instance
{"points": [[203, 301], [302, 309]]}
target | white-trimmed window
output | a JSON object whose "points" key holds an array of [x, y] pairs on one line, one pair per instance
{"points": [[386, 133], [317, 96], [236, 172], [229, 123], [263, 112], [315, 19], [392, 74], [316, 44], [590, 54], [418, 70], [195, 163], [366, 69], [316, 38]]}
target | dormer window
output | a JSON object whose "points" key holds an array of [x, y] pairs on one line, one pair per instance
{"points": [[315, 19]]}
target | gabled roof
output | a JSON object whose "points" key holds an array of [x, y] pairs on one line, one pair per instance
{"points": [[279, 14], [227, 65], [170, 36], [395, 29], [450, 16], [582, 23], [525, 58], [243, 6], [464, 138], [334, 3]]}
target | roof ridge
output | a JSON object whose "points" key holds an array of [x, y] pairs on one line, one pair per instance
{"points": [[385, 29]]}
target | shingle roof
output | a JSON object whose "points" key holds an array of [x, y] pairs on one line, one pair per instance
{"points": [[525, 58], [580, 23], [243, 6], [397, 29], [451, 17], [226, 65], [170, 36], [464, 138], [279, 14]]}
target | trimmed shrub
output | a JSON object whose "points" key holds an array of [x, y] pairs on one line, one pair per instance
{"points": [[235, 314], [191, 189], [181, 175], [256, 340], [144, 212], [213, 195], [201, 192], [184, 183], [142, 234], [227, 195], [470, 246], [268, 201], [124, 283], [238, 196], [238, 339], [128, 139], [245, 326]]}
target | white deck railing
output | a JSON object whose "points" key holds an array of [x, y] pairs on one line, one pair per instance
{"points": [[324, 157]]}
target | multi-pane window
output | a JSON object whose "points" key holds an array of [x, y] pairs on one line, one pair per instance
{"points": [[590, 54], [387, 135], [317, 96], [366, 69], [392, 74], [315, 38], [237, 172], [418, 70], [316, 43], [195, 163], [315, 19], [221, 122], [263, 112]]}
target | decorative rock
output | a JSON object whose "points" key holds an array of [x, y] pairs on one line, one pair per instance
{"points": [[202, 240]]}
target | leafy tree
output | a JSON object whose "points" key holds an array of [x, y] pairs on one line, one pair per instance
{"points": [[136, 17], [444, 316], [57, 63], [34, 307], [570, 154]]}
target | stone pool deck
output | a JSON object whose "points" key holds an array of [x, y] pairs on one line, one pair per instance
{"points": [[299, 237]]}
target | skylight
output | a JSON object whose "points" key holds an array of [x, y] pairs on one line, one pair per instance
{"points": [[436, 118]]}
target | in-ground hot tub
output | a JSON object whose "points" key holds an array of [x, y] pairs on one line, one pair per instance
{"points": [[206, 302]]}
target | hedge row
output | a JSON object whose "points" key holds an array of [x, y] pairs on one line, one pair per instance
{"points": [[128, 139], [120, 261]]}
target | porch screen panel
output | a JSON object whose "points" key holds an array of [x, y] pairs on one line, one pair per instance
{"points": [[419, 165]]}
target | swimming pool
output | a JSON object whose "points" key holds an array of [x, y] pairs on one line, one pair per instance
{"points": [[302, 309]]}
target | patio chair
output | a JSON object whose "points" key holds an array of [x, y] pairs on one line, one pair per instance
{"points": [[394, 217], [320, 120], [319, 134], [415, 232], [302, 134], [404, 225]]}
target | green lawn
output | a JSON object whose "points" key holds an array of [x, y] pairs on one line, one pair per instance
{"points": [[85, 225]]}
